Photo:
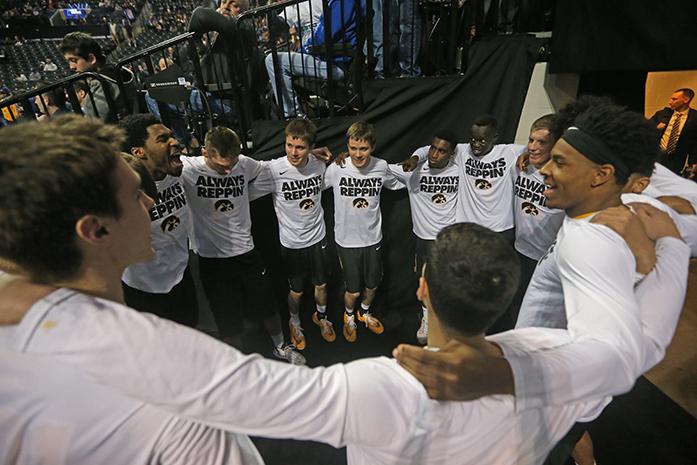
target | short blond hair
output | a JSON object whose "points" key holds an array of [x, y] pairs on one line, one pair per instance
{"points": [[361, 130]]}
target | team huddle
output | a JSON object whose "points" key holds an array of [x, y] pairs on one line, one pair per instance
{"points": [[562, 251]]}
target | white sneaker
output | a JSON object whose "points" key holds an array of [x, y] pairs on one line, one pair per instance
{"points": [[289, 354], [422, 333]]}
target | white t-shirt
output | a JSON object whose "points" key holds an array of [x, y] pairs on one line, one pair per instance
{"points": [[433, 195], [686, 224], [536, 225], [169, 230], [665, 182], [586, 283], [411, 428], [357, 216], [486, 185], [297, 199], [52, 412], [222, 225], [193, 376]]}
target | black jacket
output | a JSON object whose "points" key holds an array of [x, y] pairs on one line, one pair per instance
{"points": [[687, 143]]}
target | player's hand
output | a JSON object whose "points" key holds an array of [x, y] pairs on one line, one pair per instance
{"points": [[457, 371], [628, 225], [341, 159], [657, 223], [410, 164], [678, 204], [523, 161], [323, 154], [692, 169]]}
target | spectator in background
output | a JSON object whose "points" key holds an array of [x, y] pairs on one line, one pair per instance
{"points": [[404, 29], [678, 125], [21, 77], [50, 66], [83, 53], [310, 61], [35, 75], [51, 104]]}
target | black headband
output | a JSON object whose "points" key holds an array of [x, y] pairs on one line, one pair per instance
{"points": [[594, 149]]}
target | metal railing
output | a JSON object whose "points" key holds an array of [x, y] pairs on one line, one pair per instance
{"points": [[77, 92]]}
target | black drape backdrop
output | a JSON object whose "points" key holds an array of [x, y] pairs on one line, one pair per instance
{"points": [[603, 35], [406, 113]]}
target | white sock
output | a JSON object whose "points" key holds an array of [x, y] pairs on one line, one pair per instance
{"points": [[349, 311], [321, 308], [424, 311], [277, 340], [295, 319], [365, 308]]}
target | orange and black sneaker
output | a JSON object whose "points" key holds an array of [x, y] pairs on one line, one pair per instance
{"points": [[349, 327], [325, 327], [371, 322], [297, 338]]}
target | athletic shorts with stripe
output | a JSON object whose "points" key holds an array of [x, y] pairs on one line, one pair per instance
{"points": [[362, 266], [312, 262]]}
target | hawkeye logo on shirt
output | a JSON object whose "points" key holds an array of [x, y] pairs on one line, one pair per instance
{"points": [[479, 169], [298, 189], [360, 203], [170, 223], [439, 199], [530, 190], [213, 187], [307, 204], [224, 206], [530, 209], [355, 187], [167, 201]]}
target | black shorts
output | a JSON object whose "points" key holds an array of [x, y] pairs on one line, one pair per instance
{"points": [[362, 266], [179, 304], [420, 254], [312, 261], [234, 286]]}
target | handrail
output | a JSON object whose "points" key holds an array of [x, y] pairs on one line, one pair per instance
{"points": [[66, 83]]}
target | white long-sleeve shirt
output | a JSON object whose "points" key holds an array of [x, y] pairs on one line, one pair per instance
{"points": [[162, 367], [192, 376], [586, 284], [665, 182]]}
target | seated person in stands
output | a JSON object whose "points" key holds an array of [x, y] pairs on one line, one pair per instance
{"points": [[51, 104], [309, 61], [83, 53]]}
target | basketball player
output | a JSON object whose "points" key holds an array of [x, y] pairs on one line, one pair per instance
{"points": [[232, 270], [357, 185], [295, 183], [164, 285]]}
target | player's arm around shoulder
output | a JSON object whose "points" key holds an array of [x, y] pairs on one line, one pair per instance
{"points": [[391, 180], [264, 181]]}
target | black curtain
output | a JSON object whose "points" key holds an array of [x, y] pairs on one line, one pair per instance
{"points": [[595, 35], [406, 114]]}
